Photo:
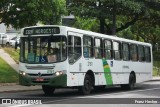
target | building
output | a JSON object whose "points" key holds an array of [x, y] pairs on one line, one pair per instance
{"points": [[8, 30], [2, 28]]}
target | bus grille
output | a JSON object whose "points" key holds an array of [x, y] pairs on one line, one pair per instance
{"points": [[41, 74], [40, 67]]}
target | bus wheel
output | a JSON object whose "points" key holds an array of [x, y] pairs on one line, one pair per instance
{"points": [[87, 87], [48, 90], [131, 84]]}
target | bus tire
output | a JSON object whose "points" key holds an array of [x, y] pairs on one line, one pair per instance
{"points": [[131, 83], [87, 87], [48, 90]]}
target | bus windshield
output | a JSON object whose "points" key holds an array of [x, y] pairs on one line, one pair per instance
{"points": [[43, 49]]}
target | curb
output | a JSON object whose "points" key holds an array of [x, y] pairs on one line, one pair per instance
{"points": [[8, 84], [155, 80], [15, 87], [10, 91]]}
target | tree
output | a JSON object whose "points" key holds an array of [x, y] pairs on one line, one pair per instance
{"points": [[109, 10], [21, 13], [86, 24]]}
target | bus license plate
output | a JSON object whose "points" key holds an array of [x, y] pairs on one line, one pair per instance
{"points": [[39, 79]]}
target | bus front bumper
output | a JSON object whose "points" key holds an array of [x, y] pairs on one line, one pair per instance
{"points": [[55, 81]]}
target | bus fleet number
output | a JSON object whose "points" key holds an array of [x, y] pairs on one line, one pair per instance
{"points": [[90, 63]]}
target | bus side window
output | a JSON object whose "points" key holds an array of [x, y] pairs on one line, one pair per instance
{"points": [[147, 54], [98, 48], [133, 52], [88, 46], [74, 48], [141, 57], [77, 47], [108, 49], [126, 52], [117, 50]]}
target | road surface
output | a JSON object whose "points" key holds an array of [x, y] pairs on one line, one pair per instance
{"points": [[145, 93]]}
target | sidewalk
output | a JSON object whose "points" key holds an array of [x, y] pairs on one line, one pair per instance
{"points": [[9, 60], [14, 87], [156, 79]]}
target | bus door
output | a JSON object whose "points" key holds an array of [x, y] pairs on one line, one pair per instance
{"points": [[74, 57]]}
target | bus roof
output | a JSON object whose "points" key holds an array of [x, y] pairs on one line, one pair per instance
{"points": [[90, 33]]}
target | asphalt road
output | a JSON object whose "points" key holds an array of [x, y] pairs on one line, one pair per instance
{"points": [[145, 93]]}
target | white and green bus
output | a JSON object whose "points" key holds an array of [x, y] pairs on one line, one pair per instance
{"points": [[58, 56]]}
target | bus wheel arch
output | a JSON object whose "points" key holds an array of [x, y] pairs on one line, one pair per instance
{"points": [[134, 74], [91, 74], [89, 82], [131, 81]]}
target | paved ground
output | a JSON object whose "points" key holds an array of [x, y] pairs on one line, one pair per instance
{"points": [[9, 60], [146, 94]]}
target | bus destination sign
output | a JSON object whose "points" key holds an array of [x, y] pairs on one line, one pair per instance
{"points": [[41, 30]]}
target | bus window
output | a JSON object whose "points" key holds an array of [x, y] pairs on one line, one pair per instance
{"points": [[133, 52], [43, 49], [74, 48], [117, 50], [147, 54], [77, 46], [98, 48], [107, 49], [125, 52], [88, 47], [141, 53]]}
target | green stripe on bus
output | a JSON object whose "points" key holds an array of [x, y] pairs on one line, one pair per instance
{"points": [[107, 72]]}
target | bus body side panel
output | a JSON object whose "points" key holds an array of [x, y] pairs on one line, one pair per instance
{"points": [[116, 71], [149, 69], [75, 72], [146, 74], [142, 71], [96, 66]]}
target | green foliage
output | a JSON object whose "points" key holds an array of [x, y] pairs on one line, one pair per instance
{"points": [[156, 71], [21, 13], [102, 10], [86, 24], [7, 74]]}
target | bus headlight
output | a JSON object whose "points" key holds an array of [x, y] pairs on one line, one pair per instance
{"points": [[22, 73], [60, 72]]}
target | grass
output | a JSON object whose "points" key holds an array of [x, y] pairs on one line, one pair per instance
{"points": [[7, 73], [13, 53], [156, 71]]}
